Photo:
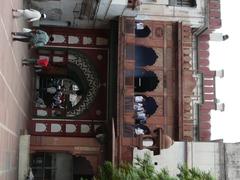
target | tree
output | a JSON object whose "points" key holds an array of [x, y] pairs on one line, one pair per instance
{"points": [[194, 173], [143, 169]]}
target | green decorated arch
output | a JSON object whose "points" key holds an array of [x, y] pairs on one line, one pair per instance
{"points": [[83, 72]]}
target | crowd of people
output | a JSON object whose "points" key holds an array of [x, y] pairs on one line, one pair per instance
{"points": [[143, 107], [55, 92], [140, 115], [37, 38]]}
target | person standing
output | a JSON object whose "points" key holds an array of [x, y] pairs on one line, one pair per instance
{"points": [[139, 26], [139, 99], [38, 64], [30, 14], [37, 38], [41, 62], [138, 107], [140, 117]]}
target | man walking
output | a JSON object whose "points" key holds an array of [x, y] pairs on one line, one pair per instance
{"points": [[30, 14], [37, 38]]}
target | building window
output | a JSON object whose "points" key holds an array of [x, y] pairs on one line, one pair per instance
{"points": [[142, 30], [145, 80], [44, 165], [144, 56], [183, 3]]}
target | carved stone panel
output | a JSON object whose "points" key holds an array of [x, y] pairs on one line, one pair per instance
{"points": [[170, 107], [159, 32], [170, 82], [169, 32], [160, 103], [129, 26], [170, 60], [128, 104], [159, 87], [189, 83], [129, 77], [130, 52], [159, 61]]}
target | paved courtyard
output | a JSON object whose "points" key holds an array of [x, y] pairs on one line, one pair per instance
{"points": [[15, 90]]}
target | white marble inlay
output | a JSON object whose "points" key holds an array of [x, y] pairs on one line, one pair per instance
{"points": [[71, 128], [56, 128], [87, 40], [73, 40], [40, 127], [57, 59], [85, 128], [41, 112]]}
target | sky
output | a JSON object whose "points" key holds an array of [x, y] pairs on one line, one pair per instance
{"points": [[224, 55]]}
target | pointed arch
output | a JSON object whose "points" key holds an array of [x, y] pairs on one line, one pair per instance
{"points": [[142, 33], [145, 56], [145, 80], [75, 75], [83, 72]]}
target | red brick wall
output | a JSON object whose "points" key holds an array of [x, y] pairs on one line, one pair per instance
{"points": [[214, 14], [209, 94]]}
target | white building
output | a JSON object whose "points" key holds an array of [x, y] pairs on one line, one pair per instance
{"points": [[221, 159]]}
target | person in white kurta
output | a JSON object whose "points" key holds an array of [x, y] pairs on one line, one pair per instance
{"points": [[139, 99], [30, 14]]}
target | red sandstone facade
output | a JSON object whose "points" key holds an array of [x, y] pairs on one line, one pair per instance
{"points": [[75, 131]]}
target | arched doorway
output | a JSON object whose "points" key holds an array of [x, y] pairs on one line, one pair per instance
{"points": [[150, 105], [82, 168], [145, 80], [142, 32], [68, 87], [144, 56]]}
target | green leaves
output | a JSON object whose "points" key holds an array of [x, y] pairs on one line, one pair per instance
{"points": [[164, 175], [143, 169], [193, 174]]}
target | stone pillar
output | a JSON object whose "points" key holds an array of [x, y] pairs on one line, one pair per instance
{"points": [[24, 152]]}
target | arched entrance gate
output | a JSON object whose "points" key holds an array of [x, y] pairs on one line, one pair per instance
{"points": [[69, 107]]}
